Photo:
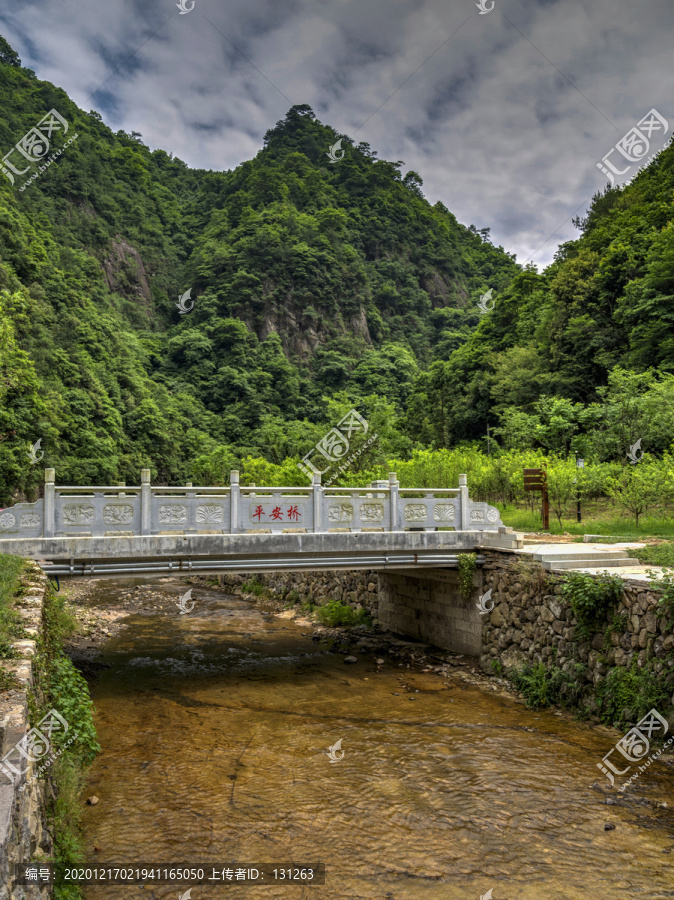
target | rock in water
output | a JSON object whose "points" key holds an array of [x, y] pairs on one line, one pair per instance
{"points": [[350, 659]]}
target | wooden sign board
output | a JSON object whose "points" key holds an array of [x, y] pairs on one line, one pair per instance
{"points": [[536, 480]]}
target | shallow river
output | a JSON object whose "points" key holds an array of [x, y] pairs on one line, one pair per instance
{"points": [[215, 728]]}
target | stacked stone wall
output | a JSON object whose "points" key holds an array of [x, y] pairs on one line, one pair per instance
{"points": [[531, 622]]}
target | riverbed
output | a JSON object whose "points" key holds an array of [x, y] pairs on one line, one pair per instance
{"points": [[216, 726]]}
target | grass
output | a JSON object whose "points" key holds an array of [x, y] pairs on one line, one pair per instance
{"points": [[11, 570], [656, 554], [598, 518], [337, 613]]}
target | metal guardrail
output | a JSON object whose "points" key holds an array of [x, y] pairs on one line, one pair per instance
{"points": [[244, 564], [138, 510]]}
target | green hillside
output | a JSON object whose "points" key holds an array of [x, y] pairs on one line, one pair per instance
{"points": [[310, 280], [317, 286]]}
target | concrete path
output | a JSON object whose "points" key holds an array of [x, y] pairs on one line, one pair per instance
{"points": [[591, 558]]}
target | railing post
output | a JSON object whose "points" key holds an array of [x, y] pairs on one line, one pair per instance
{"points": [[49, 498], [317, 492], [234, 494], [145, 501], [393, 490], [463, 503]]}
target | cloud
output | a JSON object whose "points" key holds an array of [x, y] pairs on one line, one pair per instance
{"points": [[505, 120]]}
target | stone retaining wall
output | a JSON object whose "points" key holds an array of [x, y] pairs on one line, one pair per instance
{"points": [[23, 832], [532, 622], [359, 590]]}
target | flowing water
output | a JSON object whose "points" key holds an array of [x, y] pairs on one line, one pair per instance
{"points": [[215, 728]]}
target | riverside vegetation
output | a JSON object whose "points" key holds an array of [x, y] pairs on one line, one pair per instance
{"points": [[57, 684]]}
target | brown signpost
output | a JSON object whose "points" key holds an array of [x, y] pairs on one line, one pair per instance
{"points": [[537, 480]]}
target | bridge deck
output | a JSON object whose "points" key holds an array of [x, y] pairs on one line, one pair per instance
{"points": [[163, 554]]}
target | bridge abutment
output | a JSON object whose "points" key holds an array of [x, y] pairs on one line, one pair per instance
{"points": [[428, 606]]}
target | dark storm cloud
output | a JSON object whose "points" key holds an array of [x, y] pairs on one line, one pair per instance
{"points": [[505, 121]]}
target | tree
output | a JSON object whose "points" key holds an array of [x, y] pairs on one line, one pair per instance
{"points": [[640, 487], [562, 477], [8, 56]]}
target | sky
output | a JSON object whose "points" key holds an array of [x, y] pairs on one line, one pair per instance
{"points": [[504, 113]]}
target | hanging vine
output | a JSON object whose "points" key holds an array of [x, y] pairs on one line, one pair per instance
{"points": [[467, 563]]}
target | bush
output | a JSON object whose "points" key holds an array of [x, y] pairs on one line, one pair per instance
{"points": [[626, 695], [256, 587], [337, 613], [541, 686], [591, 598]]}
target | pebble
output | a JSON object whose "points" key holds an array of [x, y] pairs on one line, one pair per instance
{"points": [[92, 801], [610, 802], [380, 662], [608, 826], [350, 659]]}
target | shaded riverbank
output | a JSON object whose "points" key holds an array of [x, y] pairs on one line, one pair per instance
{"points": [[215, 727]]}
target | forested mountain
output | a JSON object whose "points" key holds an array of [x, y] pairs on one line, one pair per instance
{"points": [[317, 286], [307, 278]]}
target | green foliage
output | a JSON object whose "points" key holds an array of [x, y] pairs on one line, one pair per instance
{"points": [[66, 822], [292, 597], [591, 598], [626, 695], [664, 582], [257, 587], [466, 564], [640, 487], [661, 554], [541, 686], [61, 687], [12, 568], [8, 681], [336, 613]]}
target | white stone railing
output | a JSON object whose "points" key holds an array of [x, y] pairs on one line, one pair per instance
{"points": [[119, 510]]}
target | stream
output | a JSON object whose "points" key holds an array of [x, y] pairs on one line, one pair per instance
{"points": [[216, 724]]}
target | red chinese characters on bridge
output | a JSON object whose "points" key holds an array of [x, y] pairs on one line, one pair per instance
{"points": [[287, 514]]}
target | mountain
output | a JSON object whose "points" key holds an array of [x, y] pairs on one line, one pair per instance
{"points": [[580, 347], [316, 285]]}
